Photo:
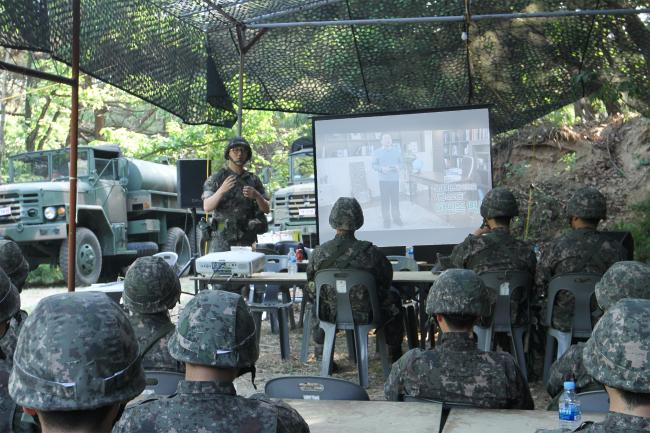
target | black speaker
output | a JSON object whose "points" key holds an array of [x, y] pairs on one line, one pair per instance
{"points": [[623, 238], [190, 177]]}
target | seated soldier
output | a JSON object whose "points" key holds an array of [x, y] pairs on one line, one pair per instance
{"points": [[493, 248], [16, 267], [215, 338], [151, 289], [346, 252], [582, 249], [618, 356], [9, 308], [76, 364], [622, 280], [455, 371]]}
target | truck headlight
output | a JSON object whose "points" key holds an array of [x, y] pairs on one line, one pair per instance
{"points": [[49, 212], [60, 211]]}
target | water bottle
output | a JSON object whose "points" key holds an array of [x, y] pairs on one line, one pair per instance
{"points": [[569, 407], [409, 252], [292, 266]]}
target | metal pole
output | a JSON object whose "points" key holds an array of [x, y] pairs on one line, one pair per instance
{"points": [[74, 133], [450, 18], [36, 74], [240, 93]]}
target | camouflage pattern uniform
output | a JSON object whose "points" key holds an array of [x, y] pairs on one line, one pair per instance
{"points": [[151, 288], [497, 250], [77, 351], [13, 263], [455, 371], [9, 309], [237, 220], [346, 252], [580, 250], [622, 280], [215, 329], [618, 355]]}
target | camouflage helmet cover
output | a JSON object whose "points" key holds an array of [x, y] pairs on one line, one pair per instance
{"points": [[499, 202], [628, 279], [76, 351], [587, 203], [9, 298], [215, 329], [618, 352], [459, 291], [151, 286], [13, 262], [238, 142], [346, 214]]}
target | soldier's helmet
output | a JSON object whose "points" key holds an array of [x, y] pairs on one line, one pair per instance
{"points": [[216, 329], [9, 298], [459, 291], [499, 202], [76, 351], [13, 262], [618, 352], [238, 142], [587, 203], [151, 286], [346, 214], [626, 279]]}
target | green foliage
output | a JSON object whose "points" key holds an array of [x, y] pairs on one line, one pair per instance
{"points": [[44, 276], [639, 225], [569, 160]]}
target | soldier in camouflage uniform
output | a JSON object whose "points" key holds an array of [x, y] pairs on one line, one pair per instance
{"points": [[76, 363], [9, 309], [622, 280], [582, 249], [493, 248], [618, 356], [151, 289], [215, 337], [346, 252], [13, 262], [238, 200], [455, 371]]}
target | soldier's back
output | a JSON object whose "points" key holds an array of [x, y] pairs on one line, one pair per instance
{"points": [[496, 250], [158, 327], [583, 250]]}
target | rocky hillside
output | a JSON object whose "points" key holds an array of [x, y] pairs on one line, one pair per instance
{"points": [[545, 164]]}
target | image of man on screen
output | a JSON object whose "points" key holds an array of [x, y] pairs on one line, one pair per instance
{"points": [[386, 162]]}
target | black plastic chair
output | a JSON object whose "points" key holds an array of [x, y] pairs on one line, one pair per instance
{"points": [[447, 406], [504, 284], [594, 401], [582, 287], [162, 382], [314, 388], [342, 280]]}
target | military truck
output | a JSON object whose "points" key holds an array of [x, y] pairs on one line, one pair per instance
{"points": [[294, 207], [126, 208]]}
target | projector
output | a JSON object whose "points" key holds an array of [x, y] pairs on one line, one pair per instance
{"points": [[240, 263]]}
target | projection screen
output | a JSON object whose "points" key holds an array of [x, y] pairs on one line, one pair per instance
{"points": [[419, 176]]}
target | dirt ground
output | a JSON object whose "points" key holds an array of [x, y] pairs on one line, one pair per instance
{"points": [[270, 365]]}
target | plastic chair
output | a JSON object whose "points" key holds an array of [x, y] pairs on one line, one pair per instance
{"points": [[504, 284], [113, 290], [409, 307], [162, 382], [594, 401], [168, 256], [447, 406], [342, 280], [314, 388], [582, 287]]}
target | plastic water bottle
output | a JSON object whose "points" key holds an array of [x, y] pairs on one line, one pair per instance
{"points": [[409, 252], [292, 267], [570, 413]]}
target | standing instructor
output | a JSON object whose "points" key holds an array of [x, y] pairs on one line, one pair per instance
{"points": [[237, 199]]}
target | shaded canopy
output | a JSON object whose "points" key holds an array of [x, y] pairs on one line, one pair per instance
{"points": [[163, 51]]}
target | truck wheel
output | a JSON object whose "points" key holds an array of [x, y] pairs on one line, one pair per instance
{"points": [[200, 242], [177, 242], [89, 258]]}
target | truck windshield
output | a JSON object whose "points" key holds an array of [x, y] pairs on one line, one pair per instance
{"points": [[38, 167], [302, 168]]}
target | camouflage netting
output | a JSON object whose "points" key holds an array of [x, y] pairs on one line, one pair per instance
{"points": [[163, 51]]}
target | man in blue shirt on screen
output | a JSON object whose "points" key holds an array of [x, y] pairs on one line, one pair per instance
{"points": [[387, 161]]}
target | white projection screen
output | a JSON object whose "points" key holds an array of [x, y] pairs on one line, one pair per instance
{"points": [[419, 176]]}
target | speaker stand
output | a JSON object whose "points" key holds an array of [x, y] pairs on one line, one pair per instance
{"points": [[195, 254]]}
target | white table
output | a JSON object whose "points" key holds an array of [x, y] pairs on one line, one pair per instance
{"points": [[338, 416], [505, 421]]}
